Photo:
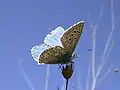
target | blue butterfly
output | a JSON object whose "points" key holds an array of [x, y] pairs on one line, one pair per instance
{"points": [[59, 45]]}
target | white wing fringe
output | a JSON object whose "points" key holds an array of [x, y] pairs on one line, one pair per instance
{"points": [[37, 50]]}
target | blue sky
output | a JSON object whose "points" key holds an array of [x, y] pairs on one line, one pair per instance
{"points": [[25, 23]]}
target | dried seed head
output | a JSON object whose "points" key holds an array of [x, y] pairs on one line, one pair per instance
{"points": [[67, 71]]}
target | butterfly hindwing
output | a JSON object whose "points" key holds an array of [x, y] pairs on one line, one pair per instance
{"points": [[37, 50], [71, 37], [53, 55]]}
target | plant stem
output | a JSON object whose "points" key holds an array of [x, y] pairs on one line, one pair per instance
{"points": [[66, 84]]}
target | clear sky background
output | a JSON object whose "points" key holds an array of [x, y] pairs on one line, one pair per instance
{"points": [[25, 23]]}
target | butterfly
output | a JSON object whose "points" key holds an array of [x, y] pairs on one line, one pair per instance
{"points": [[59, 45]]}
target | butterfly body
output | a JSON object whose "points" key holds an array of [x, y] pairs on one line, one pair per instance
{"points": [[59, 45]]}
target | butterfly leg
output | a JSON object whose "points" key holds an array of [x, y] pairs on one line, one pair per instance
{"points": [[60, 66], [71, 65], [75, 56]]}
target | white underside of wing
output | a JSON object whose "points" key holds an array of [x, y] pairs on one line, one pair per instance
{"points": [[53, 39], [37, 50]]}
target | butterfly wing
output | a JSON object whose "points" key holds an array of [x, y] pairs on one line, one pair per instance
{"points": [[71, 37], [53, 55], [53, 39], [37, 50]]}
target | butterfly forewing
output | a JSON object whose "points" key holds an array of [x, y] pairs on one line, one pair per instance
{"points": [[52, 55], [71, 37], [53, 39]]}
